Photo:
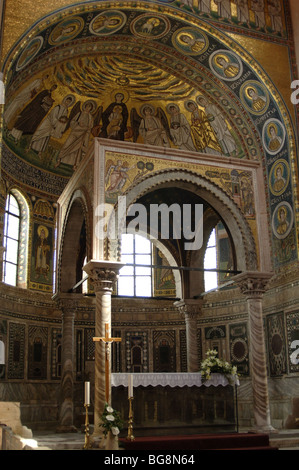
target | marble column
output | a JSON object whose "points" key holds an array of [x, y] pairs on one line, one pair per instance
{"points": [[68, 304], [191, 309], [103, 275], [2, 249], [253, 285]]}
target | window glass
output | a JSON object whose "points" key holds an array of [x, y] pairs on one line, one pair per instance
{"points": [[143, 259], [13, 227], [142, 245], [10, 274], [12, 250], [134, 279], [128, 259], [127, 243], [143, 286], [126, 285], [11, 240], [142, 271], [12, 205], [127, 271], [210, 262]]}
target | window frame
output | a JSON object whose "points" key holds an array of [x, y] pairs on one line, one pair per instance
{"points": [[135, 265], [211, 248], [22, 239], [8, 217]]}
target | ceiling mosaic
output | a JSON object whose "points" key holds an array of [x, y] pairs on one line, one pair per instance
{"points": [[85, 67], [143, 73]]}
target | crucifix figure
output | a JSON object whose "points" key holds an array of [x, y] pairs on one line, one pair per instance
{"points": [[107, 342]]}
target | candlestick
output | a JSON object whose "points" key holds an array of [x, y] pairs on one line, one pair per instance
{"points": [[87, 393], [130, 436], [87, 444], [130, 386]]}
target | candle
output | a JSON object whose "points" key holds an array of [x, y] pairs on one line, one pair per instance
{"points": [[87, 393], [130, 387]]}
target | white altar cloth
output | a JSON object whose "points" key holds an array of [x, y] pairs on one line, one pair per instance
{"points": [[171, 379]]}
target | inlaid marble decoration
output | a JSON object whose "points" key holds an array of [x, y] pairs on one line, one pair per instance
{"points": [[239, 348], [276, 344], [164, 351], [136, 350], [116, 356], [107, 72], [183, 351], [56, 353], [89, 350], [16, 351], [215, 332], [3, 339], [37, 352], [292, 323]]}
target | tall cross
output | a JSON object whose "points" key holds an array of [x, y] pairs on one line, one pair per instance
{"points": [[107, 342]]}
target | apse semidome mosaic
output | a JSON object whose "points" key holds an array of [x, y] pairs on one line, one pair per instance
{"points": [[146, 74]]}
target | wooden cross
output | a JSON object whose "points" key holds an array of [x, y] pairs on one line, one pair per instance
{"points": [[107, 342]]}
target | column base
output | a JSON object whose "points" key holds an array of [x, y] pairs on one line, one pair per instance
{"points": [[266, 429], [66, 429], [97, 441]]}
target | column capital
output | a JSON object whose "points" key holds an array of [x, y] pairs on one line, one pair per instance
{"points": [[67, 301], [253, 284], [191, 308], [103, 274]]}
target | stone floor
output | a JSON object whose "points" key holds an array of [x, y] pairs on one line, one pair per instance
{"points": [[57, 441], [284, 440]]}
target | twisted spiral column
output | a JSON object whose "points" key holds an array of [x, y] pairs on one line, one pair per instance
{"points": [[2, 249], [103, 275], [253, 285], [68, 305], [191, 309]]}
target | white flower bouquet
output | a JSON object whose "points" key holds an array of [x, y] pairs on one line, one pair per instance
{"points": [[111, 420], [212, 364]]}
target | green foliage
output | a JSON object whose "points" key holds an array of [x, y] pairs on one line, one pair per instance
{"points": [[212, 364], [111, 421]]}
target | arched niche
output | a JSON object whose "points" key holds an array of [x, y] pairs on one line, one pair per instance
{"points": [[73, 242]]}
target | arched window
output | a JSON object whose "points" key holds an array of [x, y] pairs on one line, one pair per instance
{"points": [[11, 240], [15, 240], [84, 278], [135, 279], [210, 262]]}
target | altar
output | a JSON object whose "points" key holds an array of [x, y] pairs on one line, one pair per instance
{"points": [[168, 402]]}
